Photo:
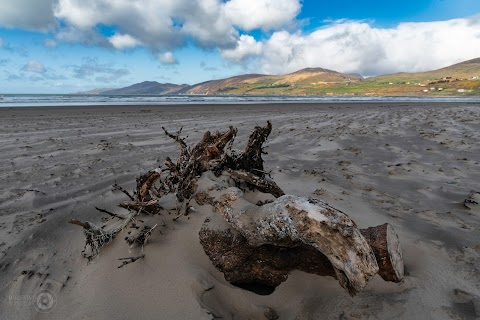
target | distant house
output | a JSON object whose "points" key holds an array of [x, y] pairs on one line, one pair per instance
{"points": [[461, 90], [426, 90], [440, 89]]}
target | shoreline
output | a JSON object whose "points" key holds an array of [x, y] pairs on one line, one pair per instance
{"points": [[258, 105], [180, 101]]}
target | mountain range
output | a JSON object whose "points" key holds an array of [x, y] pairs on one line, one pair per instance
{"points": [[459, 79]]}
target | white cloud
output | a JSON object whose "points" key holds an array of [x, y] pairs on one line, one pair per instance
{"points": [[357, 47], [34, 66], [246, 47], [27, 14], [264, 14], [206, 23], [122, 41], [167, 58], [158, 25]]}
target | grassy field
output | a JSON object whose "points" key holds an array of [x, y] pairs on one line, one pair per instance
{"points": [[366, 87], [462, 79]]}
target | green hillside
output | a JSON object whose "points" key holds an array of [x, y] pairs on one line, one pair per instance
{"points": [[457, 80]]}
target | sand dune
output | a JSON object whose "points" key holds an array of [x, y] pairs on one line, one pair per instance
{"points": [[411, 165]]}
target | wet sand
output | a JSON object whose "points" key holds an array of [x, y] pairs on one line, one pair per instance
{"points": [[408, 164]]}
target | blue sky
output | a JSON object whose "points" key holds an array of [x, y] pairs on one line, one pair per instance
{"points": [[64, 46]]}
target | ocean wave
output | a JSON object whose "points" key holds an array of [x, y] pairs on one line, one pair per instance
{"points": [[12, 100]]}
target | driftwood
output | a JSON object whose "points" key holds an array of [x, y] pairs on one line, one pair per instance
{"points": [[253, 181], [96, 237], [117, 187], [129, 260], [262, 242], [144, 198], [192, 162], [250, 160], [290, 221], [386, 246], [214, 152], [142, 237], [110, 213], [265, 267], [145, 183]]}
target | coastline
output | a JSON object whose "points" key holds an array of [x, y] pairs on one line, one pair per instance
{"points": [[159, 100], [267, 105]]}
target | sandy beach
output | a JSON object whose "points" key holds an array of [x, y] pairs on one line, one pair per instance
{"points": [[408, 164]]}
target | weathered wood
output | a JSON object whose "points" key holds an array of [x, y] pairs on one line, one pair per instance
{"points": [[110, 213], [150, 207], [386, 247], [117, 187], [184, 150], [142, 237], [212, 147], [253, 181], [267, 265], [270, 265], [263, 241], [251, 158], [129, 260], [145, 183], [290, 221], [193, 162]]}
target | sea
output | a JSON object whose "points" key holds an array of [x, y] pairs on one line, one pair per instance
{"points": [[42, 100]]}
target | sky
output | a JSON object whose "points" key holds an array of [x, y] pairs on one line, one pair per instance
{"points": [[66, 46]]}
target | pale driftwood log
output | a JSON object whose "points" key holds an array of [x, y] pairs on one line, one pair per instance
{"points": [[386, 247], [269, 265], [290, 221]]}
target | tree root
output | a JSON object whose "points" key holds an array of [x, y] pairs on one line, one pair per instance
{"points": [[271, 237], [130, 260]]}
